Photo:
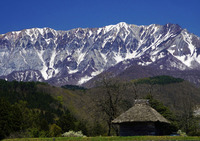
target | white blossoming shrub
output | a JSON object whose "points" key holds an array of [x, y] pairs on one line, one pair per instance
{"points": [[181, 133], [73, 134]]}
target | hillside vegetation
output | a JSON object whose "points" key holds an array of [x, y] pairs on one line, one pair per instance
{"points": [[45, 110], [29, 111]]}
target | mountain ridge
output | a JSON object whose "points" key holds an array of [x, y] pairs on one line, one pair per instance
{"points": [[76, 56]]}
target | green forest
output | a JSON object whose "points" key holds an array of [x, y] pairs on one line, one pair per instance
{"points": [[35, 109], [27, 112]]}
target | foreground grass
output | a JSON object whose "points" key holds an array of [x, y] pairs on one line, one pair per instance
{"points": [[115, 138]]}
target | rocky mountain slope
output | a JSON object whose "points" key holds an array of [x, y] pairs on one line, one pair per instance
{"points": [[77, 55]]}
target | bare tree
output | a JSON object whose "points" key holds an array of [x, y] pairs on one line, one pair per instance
{"points": [[135, 90], [110, 99], [188, 120]]}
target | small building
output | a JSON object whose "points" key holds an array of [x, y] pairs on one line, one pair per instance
{"points": [[141, 119]]}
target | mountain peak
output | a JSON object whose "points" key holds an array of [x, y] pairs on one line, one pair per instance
{"points": [[173, 26], [122, 24], [117, 26]]}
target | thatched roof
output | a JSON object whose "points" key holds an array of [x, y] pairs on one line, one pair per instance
{"points": [[140, 112]]}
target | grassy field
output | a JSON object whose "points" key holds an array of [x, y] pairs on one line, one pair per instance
{"points": [[136, 138]]}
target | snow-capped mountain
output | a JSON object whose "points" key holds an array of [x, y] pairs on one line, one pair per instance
{"points": [[77, 55]]}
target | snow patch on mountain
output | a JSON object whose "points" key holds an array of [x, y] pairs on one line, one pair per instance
{"points": [[87, 78], [45, 68], [72, 71], [84, 79], [51, 62]]}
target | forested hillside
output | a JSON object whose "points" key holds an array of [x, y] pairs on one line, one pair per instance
{"points": [[33, 109]]}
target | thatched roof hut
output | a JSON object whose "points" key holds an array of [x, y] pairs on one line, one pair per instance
{"points": [[141, 119]]}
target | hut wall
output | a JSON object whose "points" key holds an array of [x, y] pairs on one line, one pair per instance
{"points": [[137, 129]]}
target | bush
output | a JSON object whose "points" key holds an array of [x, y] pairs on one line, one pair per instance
{"points": [[44, 133], [55, 130], [33, 132], [73, 134], [181, 133], [97, 129]]}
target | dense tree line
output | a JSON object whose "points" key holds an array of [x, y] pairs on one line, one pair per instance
{"points": [[161, 80], [73, 87]]}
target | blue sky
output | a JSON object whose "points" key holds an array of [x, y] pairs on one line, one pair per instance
{"points": [[68, 14]]}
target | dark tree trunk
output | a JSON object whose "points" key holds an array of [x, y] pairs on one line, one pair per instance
{"points": [[109, 129]]}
